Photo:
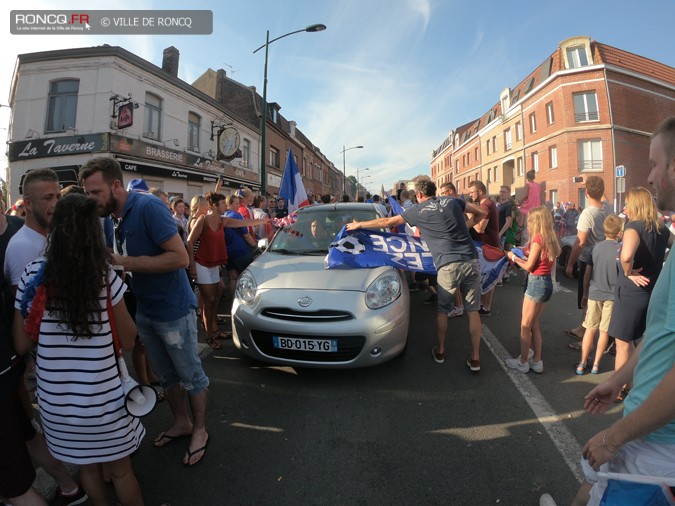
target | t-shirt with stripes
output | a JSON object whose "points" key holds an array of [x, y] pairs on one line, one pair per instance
{"points": [[78, 386]]}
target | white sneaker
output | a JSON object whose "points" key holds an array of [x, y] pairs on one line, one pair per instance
{"points": [[546, 500], [515, 363], [537, 367], [457, 311]]}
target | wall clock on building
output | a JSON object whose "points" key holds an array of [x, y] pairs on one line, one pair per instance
{"points": [[228, 141]]}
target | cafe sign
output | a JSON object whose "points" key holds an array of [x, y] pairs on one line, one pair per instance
{"points": [[56, 146]]}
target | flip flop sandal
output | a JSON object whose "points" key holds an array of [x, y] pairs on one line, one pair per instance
{"points": [[224, 334], [170, 439], [570, 333], [190, 454], [215, 345], [573, 346]]}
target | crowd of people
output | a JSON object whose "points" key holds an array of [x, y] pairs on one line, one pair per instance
{"points": [[99, 268]]}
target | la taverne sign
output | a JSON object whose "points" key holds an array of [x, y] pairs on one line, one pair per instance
{"points": [[57, 146]]}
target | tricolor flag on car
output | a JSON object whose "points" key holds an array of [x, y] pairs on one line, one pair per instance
{"points": [[292, 189]]}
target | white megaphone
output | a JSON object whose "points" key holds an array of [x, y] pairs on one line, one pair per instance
{"points": [[139, 400]]}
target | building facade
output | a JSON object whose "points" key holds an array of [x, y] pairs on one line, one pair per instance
{"points": [[319, 174], [71, 105], [588, 109]]}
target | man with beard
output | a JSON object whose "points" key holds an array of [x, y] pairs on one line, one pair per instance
{"points": [[41, 191], [642, 442], [148, 246]]}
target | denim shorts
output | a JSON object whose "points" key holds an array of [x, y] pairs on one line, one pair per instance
{"points": [[539, 288], [172, 348]]}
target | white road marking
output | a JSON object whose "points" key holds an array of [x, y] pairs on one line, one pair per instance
{"points": [[563, 439]]}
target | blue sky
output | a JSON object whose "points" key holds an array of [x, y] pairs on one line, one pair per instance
{"points": [[392, 75]]}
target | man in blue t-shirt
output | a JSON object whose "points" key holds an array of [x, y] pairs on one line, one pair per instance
{"points": [[442, 225], [149, 247]]}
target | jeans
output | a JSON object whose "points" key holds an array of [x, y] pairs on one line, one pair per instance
{"points": [[173, 351]]}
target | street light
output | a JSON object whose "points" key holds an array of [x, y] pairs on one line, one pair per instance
{"points": [[358, 180], [365, 180], [344, 168], [310, 28]]}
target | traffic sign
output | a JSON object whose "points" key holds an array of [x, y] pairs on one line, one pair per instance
{"points": [[620, 185], [620, 171]]}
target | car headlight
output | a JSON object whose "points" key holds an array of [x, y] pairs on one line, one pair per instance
{"points": [[384, 290], [246, 288]]}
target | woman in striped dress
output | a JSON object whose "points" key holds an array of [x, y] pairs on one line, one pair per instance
{"points": [[62, 307]]}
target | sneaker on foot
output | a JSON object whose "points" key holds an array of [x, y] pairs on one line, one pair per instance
{"points": [[457, 311], [432, 299], [537, 367], [472, 364], [484, 312], [69, 500], [414, 287], [438, 357], [515, 363], [546, 500]]}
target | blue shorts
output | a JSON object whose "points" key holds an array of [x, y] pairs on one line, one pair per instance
{"points": [[539, 288], [173, 351]]}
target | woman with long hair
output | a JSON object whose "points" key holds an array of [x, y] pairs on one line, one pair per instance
{"points": [[543, 249], [66, 304], [205, 263], [645, 239]]}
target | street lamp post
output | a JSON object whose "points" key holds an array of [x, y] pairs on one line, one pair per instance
{"points": [[344, 168], [363, 183], [263, 128], [358, 180]]}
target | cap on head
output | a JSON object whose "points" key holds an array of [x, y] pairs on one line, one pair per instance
{"points": [[137, 185]]}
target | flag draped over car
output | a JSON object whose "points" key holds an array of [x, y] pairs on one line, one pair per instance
{"points": [[367, 248], [292, 189]]}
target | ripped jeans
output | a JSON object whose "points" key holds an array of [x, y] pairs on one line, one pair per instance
{"points": [[173, 351]]}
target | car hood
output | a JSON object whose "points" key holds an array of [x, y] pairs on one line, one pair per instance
{"points": [[274, 271]]}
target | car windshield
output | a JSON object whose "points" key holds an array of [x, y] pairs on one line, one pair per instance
{"points": [[313, 231]]}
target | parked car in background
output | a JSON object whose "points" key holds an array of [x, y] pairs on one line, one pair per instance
{"points": [[290, 310]]}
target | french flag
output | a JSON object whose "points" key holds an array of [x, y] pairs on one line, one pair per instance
{"points": [[292, 189]]}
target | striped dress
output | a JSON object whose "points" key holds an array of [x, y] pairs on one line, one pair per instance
{"points": [[78, 387]]}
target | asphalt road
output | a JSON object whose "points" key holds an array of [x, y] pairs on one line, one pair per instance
{"points": [[407, 432]]}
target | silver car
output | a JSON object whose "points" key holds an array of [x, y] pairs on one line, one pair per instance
{"points": [[290, 310]]}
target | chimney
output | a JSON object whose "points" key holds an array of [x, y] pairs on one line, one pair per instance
{"points": [[170, 61], [221, 75]]}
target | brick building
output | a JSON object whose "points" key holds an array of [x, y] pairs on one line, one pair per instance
{"points": [[585, 110], [318, 173]]}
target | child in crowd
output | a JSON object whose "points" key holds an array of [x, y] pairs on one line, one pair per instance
{"points": [[599, 283], [543, 249]]}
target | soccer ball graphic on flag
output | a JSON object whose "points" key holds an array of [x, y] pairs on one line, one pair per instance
{"points": [[350, 245]]}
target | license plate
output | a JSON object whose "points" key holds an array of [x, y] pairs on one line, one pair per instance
{"points": [[293, 343]]}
